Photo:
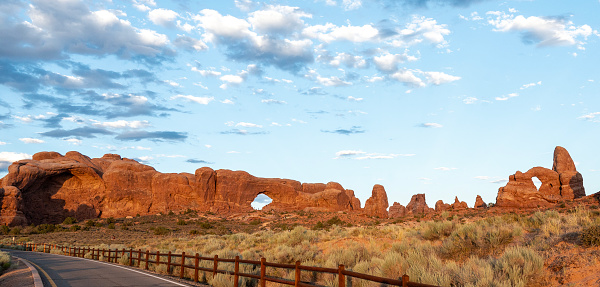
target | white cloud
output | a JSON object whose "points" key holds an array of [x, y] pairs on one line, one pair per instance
{"points": [[31, 140], [199, 100], [438, 78], [590, 116], [470, 100], [353, 99], [74, 141], [273, 101], [504, 98], [206, 73], [361, 155], [348, 60], [248, 125], [351, 4], [431, 125], [346, 153], [145, 158], [172, 83], [482, 177], [540, 30], [163, 17], [530, 85], [122, 124], [330, 33], [189, 43], [421, 29], [407, 77], [389, 62], [244, 5], [537, 108], [233, 152], [499, 181], [227, 102], [2, 143], [332, 81], [278, 19], [7, 158], [207, 146]]}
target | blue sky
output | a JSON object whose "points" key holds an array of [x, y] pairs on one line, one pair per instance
{"points": [[443, 97]]}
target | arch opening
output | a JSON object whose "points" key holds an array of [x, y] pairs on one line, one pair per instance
{"points": [[261, 201], [536, 182]]}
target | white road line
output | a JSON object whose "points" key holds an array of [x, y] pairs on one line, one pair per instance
{"points": [[115, 265]]}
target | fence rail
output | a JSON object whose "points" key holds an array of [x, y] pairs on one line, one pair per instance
{"points": [[141, 259]]}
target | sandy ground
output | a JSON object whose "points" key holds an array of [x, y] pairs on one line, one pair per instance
{"points": [[17, 275]]}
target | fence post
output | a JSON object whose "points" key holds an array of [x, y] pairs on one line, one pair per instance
{"points": [[139, 257], [297, 278], [169, 263], [341, 277], [263, 270], [196, 267], [215, 266], [157, 258], [405, 280], [147, 259], [130, 257], [236, 270], [182, 264]]}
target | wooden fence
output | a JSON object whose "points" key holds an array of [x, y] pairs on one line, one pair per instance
{"points": [[141, 259]]}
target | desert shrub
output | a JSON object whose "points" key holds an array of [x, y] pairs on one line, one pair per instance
{"points": [[75, 228], [171, 213], [221, 280], [255, 222], [90, 223], [194, 232], [57, 251], [5, 261], [205, 225], [111, 225], [335, 221], [110, 220], [4, 229], [98, 224], [89, 255], [181, 222], [44, 228], [124, 260], [434, 230], [480, 238], [70, 220], [590, 236], [161, 230], [518, 265]]}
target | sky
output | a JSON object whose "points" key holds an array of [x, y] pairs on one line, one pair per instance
{"points": [[442, 97]]}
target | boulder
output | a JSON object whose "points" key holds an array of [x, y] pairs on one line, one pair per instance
{"points": [[440, 206], [479, 203], [418, 205], [397, 210], [377, 204], [458, 205]]}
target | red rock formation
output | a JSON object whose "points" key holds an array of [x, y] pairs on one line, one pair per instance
{"points": [[457, 205], [561, 183], [51, 187], [397, 210], [441, 206], [377, 204], [418, 205], [479, 203]]}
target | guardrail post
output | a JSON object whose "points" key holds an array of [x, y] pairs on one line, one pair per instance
{"points": [[169, 263], [297, 277], [215, 265], [147, 259], [263, 269], [182, 264], [341, 277], [405, 280], [197, 260], [236, 270]]}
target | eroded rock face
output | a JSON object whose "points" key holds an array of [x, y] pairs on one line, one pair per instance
{"points": [[563, 182], [377, 204], [418, 205], [397, 210], [479, 203], [50, 187], [440, 206], [457, 205]]}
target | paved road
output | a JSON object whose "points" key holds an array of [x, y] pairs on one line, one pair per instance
{"points": [[65, 271]]}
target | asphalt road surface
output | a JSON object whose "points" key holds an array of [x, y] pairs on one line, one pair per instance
{"points": [[65, 271]]}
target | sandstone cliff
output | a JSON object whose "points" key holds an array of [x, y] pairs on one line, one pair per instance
{"points": [[50, 187]]}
